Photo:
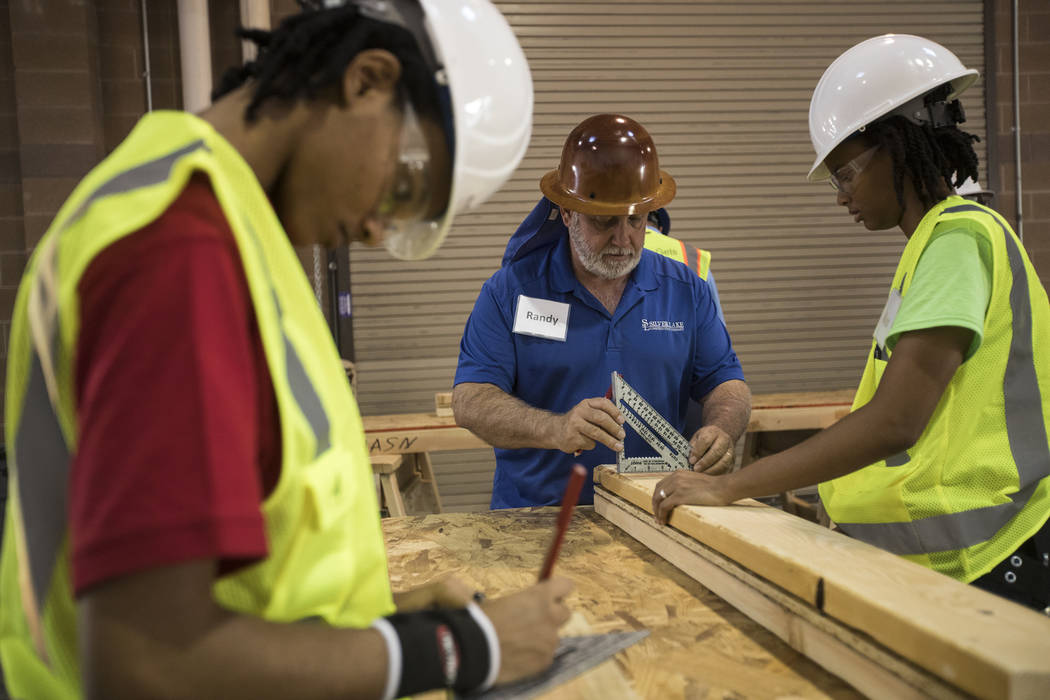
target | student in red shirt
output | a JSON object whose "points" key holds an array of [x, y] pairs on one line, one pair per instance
{"points": [[178, 449]]}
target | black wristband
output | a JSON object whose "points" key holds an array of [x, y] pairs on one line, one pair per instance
{"points": [[440, 649]]}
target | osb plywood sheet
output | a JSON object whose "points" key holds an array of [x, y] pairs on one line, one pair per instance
{"points": [[699, 646]]}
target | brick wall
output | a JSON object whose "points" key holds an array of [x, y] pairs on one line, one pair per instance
{"points": [[72, 85], [57, 118], [1034, 93], [122, 63], [223, 20], [12, 234]]}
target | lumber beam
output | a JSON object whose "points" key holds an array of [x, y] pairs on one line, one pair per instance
{"points": [[407, 433], [850, 655], [806, 410], [973, 641]]}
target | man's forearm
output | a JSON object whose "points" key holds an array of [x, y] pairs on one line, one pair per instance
{"points": [[728, 406], [501, 419]]}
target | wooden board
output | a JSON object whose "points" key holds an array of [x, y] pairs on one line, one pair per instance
{"points": [[975, 641], [799, 410], [803, 399], [699, 646], [405, 433], [851, 656]]}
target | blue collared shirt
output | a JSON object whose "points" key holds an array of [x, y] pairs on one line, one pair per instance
{"points": [[665, 338]]}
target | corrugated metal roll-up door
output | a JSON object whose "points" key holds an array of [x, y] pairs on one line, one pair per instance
{"points": [[724, 89]]}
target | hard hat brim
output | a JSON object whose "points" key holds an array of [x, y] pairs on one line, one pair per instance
{"points": [[960, 80], [553, 190]]}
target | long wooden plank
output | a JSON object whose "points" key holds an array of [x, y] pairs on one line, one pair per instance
{"points": [[791, 418], [806, 410], [721, 530], [978, 642], [803, 399], [853, 657], [405, 433]]}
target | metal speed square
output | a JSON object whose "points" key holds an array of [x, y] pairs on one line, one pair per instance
{"points": [[672, 448]]}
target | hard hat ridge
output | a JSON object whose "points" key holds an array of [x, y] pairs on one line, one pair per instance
{"points": [[608, 166], [885, 76]]}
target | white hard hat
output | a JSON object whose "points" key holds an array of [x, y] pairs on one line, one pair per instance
{"points": [[489, 105], [970, 187], [878, 77]]}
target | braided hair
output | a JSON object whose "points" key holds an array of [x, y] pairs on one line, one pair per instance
{"points": [[935, 158], [309, 52]]}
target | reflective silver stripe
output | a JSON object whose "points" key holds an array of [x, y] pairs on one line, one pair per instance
{"points": [[1025, 423], [157, 171], [1025, 430], [298, 381], [305, 395], [308, 400], [42, 457], [898, 460], [42, 494], [153, 172], [940, 533]]}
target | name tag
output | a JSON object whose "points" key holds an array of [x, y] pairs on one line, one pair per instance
{"points": [[889, 314], [542, 318]]}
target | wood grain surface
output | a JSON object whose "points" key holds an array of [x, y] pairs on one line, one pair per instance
{"points": [[978, 642], [404, 433], [699, 646]]}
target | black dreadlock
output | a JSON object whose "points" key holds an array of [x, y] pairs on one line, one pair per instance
{"points": [[308, 53], [933, 157]]}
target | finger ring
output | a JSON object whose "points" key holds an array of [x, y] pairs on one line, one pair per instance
{"points": [[663, 494]]}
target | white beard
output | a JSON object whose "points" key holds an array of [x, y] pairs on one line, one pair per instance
{"points": [[593, 261]]}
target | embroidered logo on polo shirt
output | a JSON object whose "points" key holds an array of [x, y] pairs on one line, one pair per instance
{"points": [[648, 325]]}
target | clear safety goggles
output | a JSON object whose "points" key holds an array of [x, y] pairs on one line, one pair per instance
{"points": [[413, 205], [843, 179]]}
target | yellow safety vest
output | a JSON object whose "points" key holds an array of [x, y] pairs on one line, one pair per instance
{"points": [[975, 486], [326, 555], [699, 261]]}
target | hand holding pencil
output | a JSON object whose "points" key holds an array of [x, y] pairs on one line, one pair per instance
{"points": [[527, 622], [568, 503]]}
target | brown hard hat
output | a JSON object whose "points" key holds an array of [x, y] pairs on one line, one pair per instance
{"points": [[608, 167]]}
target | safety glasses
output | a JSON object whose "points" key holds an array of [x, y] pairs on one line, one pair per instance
{"points": [[412, 208], [844, 179], [408, 196]]}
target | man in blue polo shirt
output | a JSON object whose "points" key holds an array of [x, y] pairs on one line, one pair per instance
{"points": [[577, 298]]}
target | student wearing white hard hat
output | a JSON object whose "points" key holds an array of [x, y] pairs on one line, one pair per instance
{"points": [[192, 511], [945, 458]]}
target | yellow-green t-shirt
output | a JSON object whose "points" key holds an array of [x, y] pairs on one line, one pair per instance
{"points": [[952, 286]]}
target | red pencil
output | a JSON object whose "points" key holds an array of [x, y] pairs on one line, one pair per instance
{"points": [[568, 502]]}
